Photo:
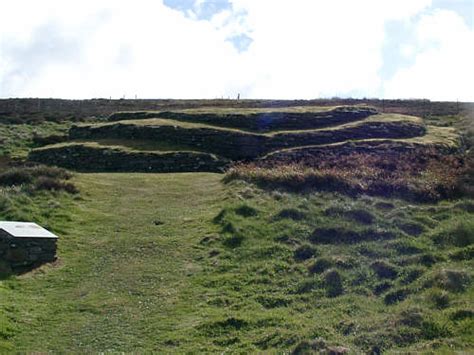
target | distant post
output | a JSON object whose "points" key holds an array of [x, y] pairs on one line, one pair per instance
{"points": [[238, 96]]}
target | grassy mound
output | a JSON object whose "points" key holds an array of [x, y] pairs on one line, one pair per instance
{"points": [[238, 144]]}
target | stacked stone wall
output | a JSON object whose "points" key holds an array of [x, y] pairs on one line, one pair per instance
{"points": [[23, 254]]}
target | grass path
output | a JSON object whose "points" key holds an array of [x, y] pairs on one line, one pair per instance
{"points": [[123, 281]]}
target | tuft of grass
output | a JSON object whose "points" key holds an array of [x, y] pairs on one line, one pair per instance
{"points": [[458, 232], [452, 280]]}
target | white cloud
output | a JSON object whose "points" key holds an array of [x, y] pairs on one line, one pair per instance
{"points": [[300, 48], [443, 70], [142, 48]]}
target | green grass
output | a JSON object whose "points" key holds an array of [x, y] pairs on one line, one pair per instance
{"points": [[205, 267], [186, 263], [122, 281], [17, 140]]}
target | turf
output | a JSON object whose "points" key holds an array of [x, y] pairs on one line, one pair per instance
{"points": [[16, 140]]}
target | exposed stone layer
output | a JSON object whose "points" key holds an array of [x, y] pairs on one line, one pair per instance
{"points": [[83, 157]]}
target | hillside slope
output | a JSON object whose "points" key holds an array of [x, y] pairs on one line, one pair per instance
{"points": [[331, 229], [182, 262]]}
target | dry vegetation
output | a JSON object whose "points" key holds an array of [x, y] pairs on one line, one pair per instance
{"points": [[422, 174]]}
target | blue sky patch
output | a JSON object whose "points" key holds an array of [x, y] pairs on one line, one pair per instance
{"points": [[241, 42], [202, 10]]}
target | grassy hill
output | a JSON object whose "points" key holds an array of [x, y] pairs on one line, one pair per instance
{"points": [[285, 252]]}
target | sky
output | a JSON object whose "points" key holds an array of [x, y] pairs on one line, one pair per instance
{"points": [[260, 49]]}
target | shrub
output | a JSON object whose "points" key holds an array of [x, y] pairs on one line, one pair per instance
{"points": [[15, 177], [38, 178], [50, 171], [51, 184]]}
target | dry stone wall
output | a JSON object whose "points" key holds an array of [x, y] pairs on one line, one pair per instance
{"points": [[23, 254], [238, 145], [95, 158]]}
